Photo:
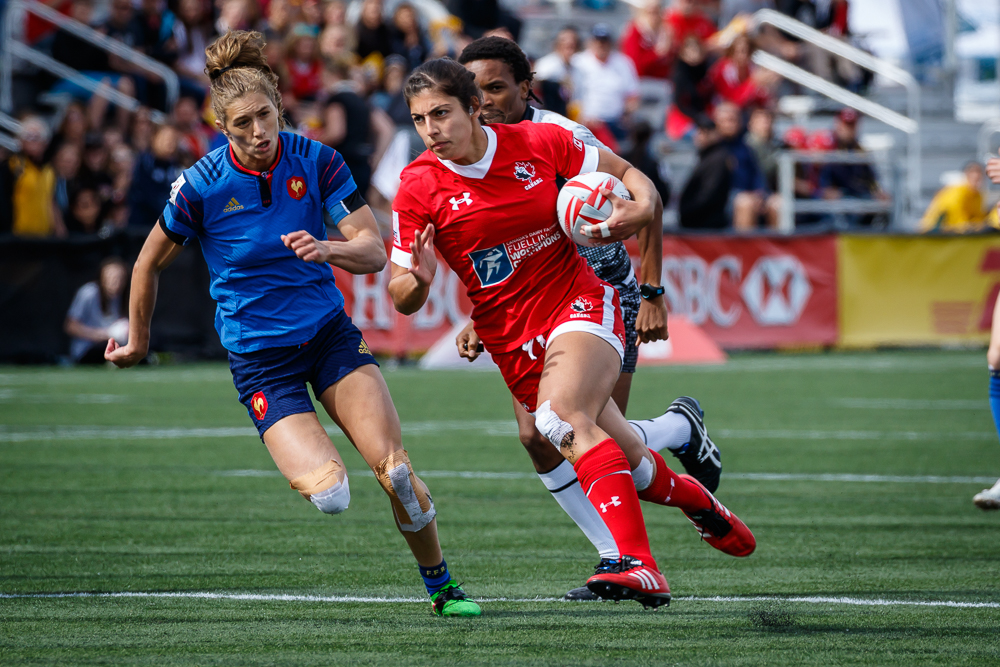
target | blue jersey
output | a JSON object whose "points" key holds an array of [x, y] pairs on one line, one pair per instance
{"points": [[267, 297]]}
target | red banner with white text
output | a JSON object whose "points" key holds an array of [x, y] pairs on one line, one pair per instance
{"points": [[744, 292], [754, 292]]}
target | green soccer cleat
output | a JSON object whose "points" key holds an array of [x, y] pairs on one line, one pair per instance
{"points": [[452, 601]]}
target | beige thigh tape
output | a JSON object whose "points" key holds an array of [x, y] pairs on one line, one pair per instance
{"points": [[411, 501], [320, 479]]}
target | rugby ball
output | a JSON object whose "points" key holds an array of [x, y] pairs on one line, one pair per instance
{"points": [[581, 203], [119, 330]]}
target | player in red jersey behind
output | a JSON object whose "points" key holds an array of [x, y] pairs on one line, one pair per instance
{"points": [[485, 197]]}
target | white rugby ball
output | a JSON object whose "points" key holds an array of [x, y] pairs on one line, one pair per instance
{"points": [[581, 203], [119, 330]]}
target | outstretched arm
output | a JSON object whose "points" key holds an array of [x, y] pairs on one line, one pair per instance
{"points": [[363, 252], [157, 254], [409, 286]]}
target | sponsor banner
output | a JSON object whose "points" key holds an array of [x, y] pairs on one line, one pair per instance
{"points": [[753, 292], [367, 301], [917, 290]]}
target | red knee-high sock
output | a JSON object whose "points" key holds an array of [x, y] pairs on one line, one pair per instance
{"points": [[669, 488], [606, 478]]}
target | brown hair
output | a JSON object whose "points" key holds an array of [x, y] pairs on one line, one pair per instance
{"points": [[237, 66], [445, 76]]}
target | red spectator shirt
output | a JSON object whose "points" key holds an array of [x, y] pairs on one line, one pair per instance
{"points": [[681, 26], [306, 79], [495, 225], [725, 78], [641, 49]]}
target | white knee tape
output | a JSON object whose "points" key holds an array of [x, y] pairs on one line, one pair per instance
{"points": [[334, 500], [411, 501], [642, 476], [548, 424]]}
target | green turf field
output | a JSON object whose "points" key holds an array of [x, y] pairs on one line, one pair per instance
{"points": [[151, 481]]}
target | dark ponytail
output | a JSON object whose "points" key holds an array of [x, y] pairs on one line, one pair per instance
{"points": [[445, 76]]}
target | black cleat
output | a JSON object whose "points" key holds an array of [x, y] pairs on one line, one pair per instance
{"points": [[584, 594], [700, 457]]}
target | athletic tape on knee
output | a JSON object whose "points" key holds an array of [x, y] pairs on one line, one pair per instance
{"points": [[642, 476], [548, 424], [325, 487], [411, 501]]}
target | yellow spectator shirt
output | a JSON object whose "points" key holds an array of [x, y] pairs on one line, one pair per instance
{"points": [[34, 187], [956, 208]]}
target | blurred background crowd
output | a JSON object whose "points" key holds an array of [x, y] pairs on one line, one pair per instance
{"points": [[672, 84]]}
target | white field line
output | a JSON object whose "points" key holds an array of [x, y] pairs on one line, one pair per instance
{"points": [[255, 597], [910, 404], [752, 476], [484, 428]]}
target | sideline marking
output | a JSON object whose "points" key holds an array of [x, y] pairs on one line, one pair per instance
{"points": [[256, 597], [911, 403], [488, 428], [752, 476]]}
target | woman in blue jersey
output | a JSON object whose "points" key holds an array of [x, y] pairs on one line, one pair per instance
{"points": [[256, 207]]}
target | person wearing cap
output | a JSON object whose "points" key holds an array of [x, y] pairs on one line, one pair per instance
{"points": [[705, 196], [840, 180], [31, 182], [607, 86]]}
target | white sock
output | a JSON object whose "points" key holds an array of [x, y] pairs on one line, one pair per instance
{"points": [[566, 489], [671, 430]]}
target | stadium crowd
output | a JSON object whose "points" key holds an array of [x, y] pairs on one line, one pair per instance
{"points": [[92, 169]]}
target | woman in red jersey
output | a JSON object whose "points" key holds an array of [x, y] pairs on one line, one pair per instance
{"points": [[485, 197]]}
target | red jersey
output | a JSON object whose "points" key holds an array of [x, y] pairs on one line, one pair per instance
{"points": [[496, 227]]}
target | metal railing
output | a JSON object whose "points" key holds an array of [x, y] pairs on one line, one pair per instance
{"points": [[13, 48], [12, 125], [910, 124], [786, 187]]}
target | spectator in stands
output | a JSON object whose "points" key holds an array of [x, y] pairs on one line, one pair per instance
{"points": [[157, 23], [347, 123], [693, 91], [646, 41], [196, 137], [373, 34], [842, 180], [481, 16], [94, 173], [335, 13], [155, 170], [192, 33], [641, 157], [336, 42], [67, 167], [72, 129], [761, 140], [85, 213], [390, 98], [555, 73], [749, 197], [737, 79], [97, 314], [281, 16], [301, 69], [408, 39], [141, 132], [32, 183], [120, 168], [607, 87], [705, 196], [683, 19], [958, 207]]}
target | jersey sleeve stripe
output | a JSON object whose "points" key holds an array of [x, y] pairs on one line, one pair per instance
{"points": [[335, 173], [190, 207], [401, 258], [332, 158], [591, 158], [201, 170]]}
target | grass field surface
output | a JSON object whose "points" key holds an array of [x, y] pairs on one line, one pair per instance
{"points": [[142, 523]]}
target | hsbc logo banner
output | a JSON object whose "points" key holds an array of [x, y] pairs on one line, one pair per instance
{"points": [[754, 292]]}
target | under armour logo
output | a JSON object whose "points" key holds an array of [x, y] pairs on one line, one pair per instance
{"points": [[466, 199], [614, 503]]}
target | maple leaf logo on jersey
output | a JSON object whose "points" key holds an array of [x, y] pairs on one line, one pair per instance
{"points": [[524, 171], [582, 305]]}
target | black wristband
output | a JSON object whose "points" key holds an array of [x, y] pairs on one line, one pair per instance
{"points": [[647, 291]]}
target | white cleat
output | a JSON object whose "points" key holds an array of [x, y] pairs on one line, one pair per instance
{"points": [[988, 499]]}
